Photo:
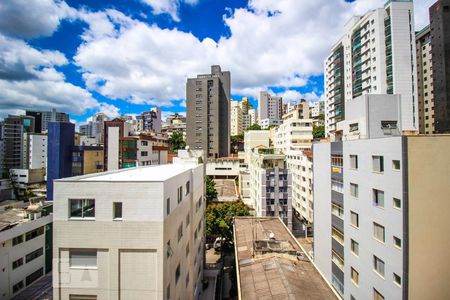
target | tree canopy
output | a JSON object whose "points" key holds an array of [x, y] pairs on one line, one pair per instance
{"points": [[176, 141], [211, 193], [254, 127], [219, 218], [319, 132]]}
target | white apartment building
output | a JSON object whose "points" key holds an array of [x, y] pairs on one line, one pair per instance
{"points": [[317, 109], [21, 179], [250, 118], [270, 185], [376, 55], [34, 151], [131, 233], [425, 81], [25, 251], [269, 107], [236, 118], [372, 206]]}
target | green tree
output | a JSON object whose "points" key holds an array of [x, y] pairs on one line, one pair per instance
{"points": [[211, 193], [254, 127], [219, 218], [176, 141], [319, 132], [237, 138]]}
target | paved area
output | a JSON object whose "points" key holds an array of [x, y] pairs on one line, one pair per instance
{"points": [[226, 190], [40, 290]]}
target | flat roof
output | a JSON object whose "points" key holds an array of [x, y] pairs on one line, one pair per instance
{"points": [[272, 265], [154, 173]]}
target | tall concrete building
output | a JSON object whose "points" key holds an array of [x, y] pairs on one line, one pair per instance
{"points": [[208, 113], [373, 215], [130, 234], [376, 55], [236, 118], [440, 49], [245, 105], [42, 118], [425, 81], [269, 108], [151, 120], [250, 118], [34, 151]]}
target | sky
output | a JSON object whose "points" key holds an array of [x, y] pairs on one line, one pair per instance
{"points": [[126, 56]]}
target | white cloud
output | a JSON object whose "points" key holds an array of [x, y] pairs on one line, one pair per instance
{"points": [[110, 110], [169, 7], [32, 18], [295, 96]]}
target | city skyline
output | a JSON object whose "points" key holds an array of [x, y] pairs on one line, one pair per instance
{"points": [[62, 61]]}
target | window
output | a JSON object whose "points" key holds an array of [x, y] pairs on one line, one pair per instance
{"points": [[378, 198], [82, 297], [188, 187], [378, 164], [168, 206], [378, 265], [168, 292], [378, 232], [337, 259], [396, 165], [144, 153], [377, 295], [34, 233], [354, 162], [337, 210], [397, 203], [354, 190], [17, 263], [18, 286], [180, 231], [397, 280], [353, 127], [33, 276], [388, 125], [397, 242], [188, 219], [337, 185], [337, 235], [33, 255], [354, 219], [355, 276], [144, 143], [177, 274], [169, 250], [17, 240], [82, 208], [180, 194], [83, 258], [117, 210], [354, 247], [336, 160]]}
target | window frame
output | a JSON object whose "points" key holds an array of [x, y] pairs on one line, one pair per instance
{"points": [[375, 225], [83, 267], [377, 260], [352, 213], [115, 211], [84, 218]]}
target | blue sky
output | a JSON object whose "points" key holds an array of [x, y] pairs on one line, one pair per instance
{"points": [[126, 56]]}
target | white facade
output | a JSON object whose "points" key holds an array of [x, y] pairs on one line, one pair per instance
{"points": [[236, 118], [266, 123], [252, 139], [376, 56], [35, 151], [22, 178], [23, 251], [152, 249], [294, 135], [269, 107], [226, 167], [317, 109], [113, 148]]}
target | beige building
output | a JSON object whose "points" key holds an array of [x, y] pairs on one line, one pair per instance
{"points": [[236, 118], [131, 233], [425, 81]]}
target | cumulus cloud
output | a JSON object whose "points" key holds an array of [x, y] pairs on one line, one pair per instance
{"points": [[110, 110], [169, 7], [32, 18], [294, 96]]}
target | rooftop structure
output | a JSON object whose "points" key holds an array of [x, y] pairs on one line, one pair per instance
{"points": [[271, 264]]}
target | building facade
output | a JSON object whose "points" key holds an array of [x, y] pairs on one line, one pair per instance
{"points": [[377, 55], [87, 160], [208, 113], [440, 49], [269, 107], [145, 233], [236, 118], [42, 118], [151, 120], [34, 151]]}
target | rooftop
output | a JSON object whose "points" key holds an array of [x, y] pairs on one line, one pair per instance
{"points": [[13, 213], [155, 173], [272, 265]]}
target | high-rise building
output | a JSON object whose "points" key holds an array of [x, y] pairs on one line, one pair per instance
{"points": [[377, 55], [152, 120], [440, 49], [317, 109], [250, 118], [372, 205], [236, 118], [269, 107], [425, 81], [60, 141], [13, 128], [44, 117], [208, 113], [135, 233], [34, 151], [245, 105]]}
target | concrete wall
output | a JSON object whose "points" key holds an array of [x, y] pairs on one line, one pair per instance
{"points": [[92, 158], [428, 207], [113, 148]]}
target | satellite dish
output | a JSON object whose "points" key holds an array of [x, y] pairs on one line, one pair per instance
{"points": [[272, 236]]}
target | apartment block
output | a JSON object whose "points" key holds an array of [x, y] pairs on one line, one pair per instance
{"points": [[376, 55], [139, 238], [440, 50], [87, 160], [270, 184], [42, 118], [250, 118], [151, 120], [236, 118], [317, 109], [208, 113], [269, 107], [425, 81], [22, 179], [94, 128], [34, 151], [26, 251]]}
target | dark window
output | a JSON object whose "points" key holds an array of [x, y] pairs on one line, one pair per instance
{"points": [[117, 210], [82, 208], [18, 286], [34, 233], [33, 255], [17, 263], [33, 276], [17, 240], [177, 274]]}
